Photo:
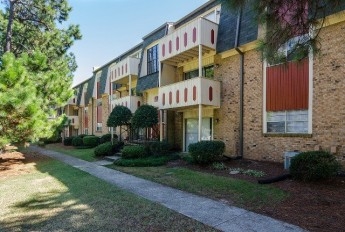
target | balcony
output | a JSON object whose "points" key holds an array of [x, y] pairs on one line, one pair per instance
{"points": [[191, 92], [73, 121], [121, 71], [72, 101], [131, 102], [182, 44]]}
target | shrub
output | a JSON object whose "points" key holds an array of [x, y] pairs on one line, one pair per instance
{"points": [[117, 146], [313, 166], [159, 148], [133, 152], [81, 135], [105, 138], [204, 152], [103, 149], [91, 140], [77, 141], [68, 141]]}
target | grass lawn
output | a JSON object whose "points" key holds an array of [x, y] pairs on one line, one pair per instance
{"points": [[51, 196], [84, 154], [237, 192]]}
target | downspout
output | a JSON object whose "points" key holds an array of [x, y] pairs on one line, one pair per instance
{"points": [[240, 155]]}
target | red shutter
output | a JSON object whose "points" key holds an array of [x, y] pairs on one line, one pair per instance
{"points": [[86, 121], [287, 86], [99, 114], [99, 95]]}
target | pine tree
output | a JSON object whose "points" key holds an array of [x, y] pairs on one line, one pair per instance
{"points": [[35, 42]]}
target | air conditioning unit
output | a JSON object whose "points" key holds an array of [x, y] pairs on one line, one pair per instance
{"points": [[288, 155]]}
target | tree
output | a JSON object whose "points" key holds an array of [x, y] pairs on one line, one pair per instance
{"points": [[286, 19], [119, 116], [145, 117], [21, 115], [42, 54]]}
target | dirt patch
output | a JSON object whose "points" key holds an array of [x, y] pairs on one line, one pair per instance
{"points": [[14, 163], [313, 206]]}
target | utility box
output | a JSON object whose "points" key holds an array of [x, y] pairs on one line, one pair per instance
{"points": [[288, 155]]}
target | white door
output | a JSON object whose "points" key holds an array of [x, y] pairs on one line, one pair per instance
{"points": [[192, 125]]}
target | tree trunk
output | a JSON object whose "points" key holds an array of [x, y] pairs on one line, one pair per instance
{"points": [[9, 27]]}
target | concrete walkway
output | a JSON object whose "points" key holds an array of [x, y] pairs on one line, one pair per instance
{"points": [[210, 212]]}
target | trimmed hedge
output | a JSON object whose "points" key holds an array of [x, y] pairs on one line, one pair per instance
{"points": [[77, 141], [205, 152], [117, 146], [103, 149], [105, 138], [314, 165], [133, 152], [91, 140], [68, 141], [160, 148]]}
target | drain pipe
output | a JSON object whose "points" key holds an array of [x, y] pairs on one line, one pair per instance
{"points": [[240, 155]]}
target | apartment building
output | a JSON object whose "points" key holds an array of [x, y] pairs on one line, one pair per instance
{"points": [[209, 82]]}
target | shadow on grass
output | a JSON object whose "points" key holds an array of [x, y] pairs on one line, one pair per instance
{"points": [[67, 199]]}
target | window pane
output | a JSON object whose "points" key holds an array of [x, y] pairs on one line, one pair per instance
{"points": [[276, 116], [277, 127], [297, 127], [301, 115]]}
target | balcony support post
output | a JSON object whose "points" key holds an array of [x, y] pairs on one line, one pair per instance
{"points": [[161, 136], [165, 114], [200, 48], [200, 122], [130, 92]]}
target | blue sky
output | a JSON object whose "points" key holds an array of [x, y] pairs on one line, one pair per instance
{"points": [[111, 27]]}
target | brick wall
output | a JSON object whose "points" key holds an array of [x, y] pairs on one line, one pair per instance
{"points": [[328, 128], [105, 113]]}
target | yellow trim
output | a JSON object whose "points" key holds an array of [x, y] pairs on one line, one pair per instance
{"points": [[192, 65], [244, 48], [334, 18]]}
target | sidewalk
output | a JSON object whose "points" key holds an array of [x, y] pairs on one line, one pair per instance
{"points": [[207, 211]]}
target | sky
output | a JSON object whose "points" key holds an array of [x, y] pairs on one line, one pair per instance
{"points": [[111, 27]]}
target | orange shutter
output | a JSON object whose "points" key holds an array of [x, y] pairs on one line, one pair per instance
{"points": [[287, 86]]}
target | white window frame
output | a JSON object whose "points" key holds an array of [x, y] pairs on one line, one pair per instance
{"points": [[310, 97]]}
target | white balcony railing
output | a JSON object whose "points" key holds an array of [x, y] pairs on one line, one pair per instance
{"points": [[197, 32], [191, 92], [131, 102], [124, 68]]}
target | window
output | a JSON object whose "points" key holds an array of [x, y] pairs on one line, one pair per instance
{"points": [[287, 94], [206, 72], [152, 60], [99, 116], [287, 121]]}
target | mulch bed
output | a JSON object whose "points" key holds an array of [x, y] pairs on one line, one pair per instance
{"points": [[318, 206]]}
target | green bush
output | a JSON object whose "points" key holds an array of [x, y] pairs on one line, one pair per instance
{"points": [[117, 146], [133, 152], [105, 138], [314, 165], [91, 140], [103, 149], [160, 148], [68, 141], [77, 141], [205, 152]]}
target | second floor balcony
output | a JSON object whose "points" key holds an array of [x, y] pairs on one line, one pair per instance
{"points": [[73, 121], [182, 44], [120, 72], [189, 93], [131, 102]]}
